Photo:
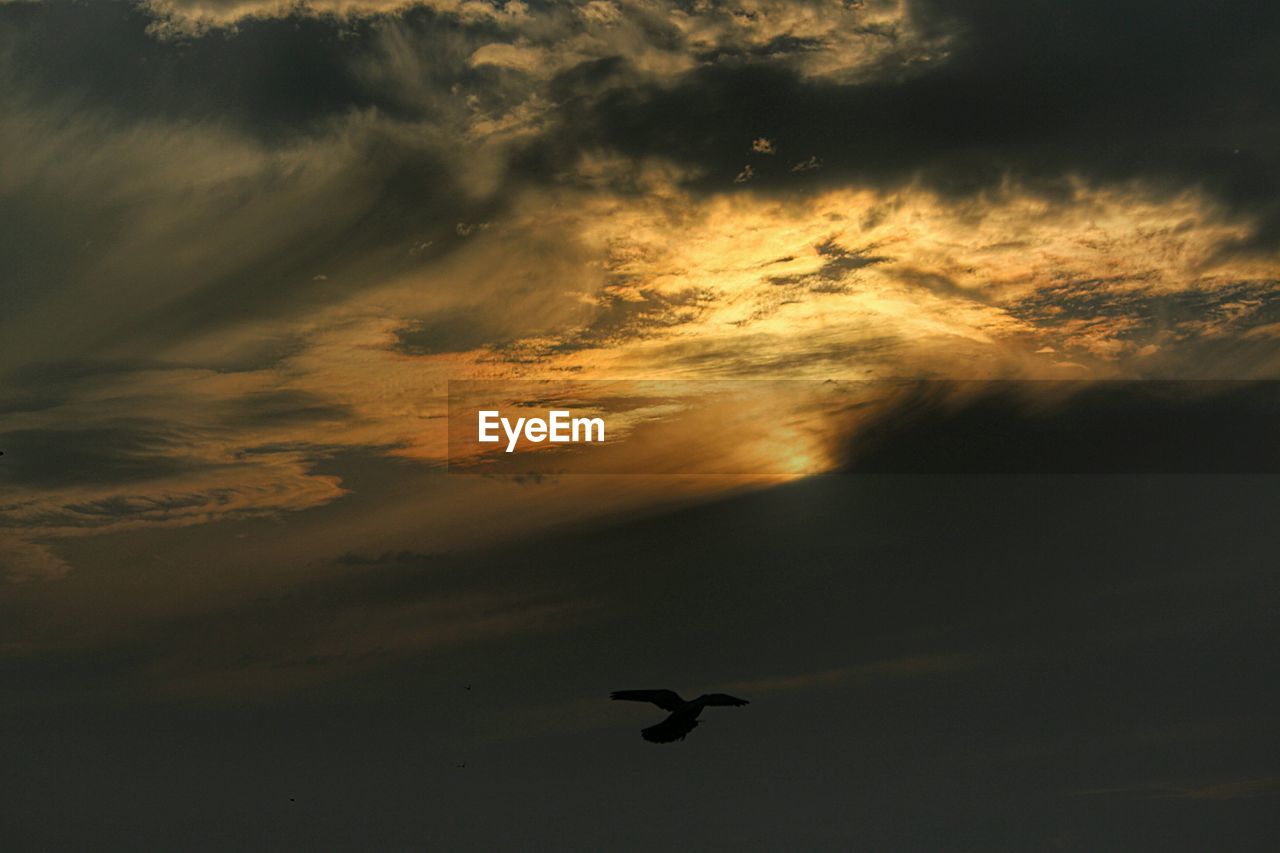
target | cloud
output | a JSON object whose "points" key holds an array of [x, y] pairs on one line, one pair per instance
{"points": [[22, 560], [821, 38], [960, 96], [185, 18], [269, 240], [1102, 95], [1039, 427], [103, 454], [593, 283]]}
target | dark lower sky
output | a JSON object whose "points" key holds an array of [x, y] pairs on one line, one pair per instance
{"points": [[934, 662]]}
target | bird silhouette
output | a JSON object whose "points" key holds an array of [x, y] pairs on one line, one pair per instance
{"points": [[684, 713]]}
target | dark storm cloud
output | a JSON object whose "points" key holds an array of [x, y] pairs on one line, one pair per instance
{"points": [[1038, 94], [619, 315], [1180, 94], [451, 331], [1182, 330], [758, 353], [1174, 93], [1151, 310], [159, 231], [1148, 427], [233, 175], [122, 453], [938, 283], [271, 77], [837, 263], [47, 384], [266, 408], [635, 315]]}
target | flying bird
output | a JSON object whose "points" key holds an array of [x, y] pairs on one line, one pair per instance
{"points": [[684, 714]]}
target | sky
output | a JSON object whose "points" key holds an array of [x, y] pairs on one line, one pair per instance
{"points": [[939, 343]]}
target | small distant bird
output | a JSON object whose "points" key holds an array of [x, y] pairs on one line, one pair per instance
{"points": [[684, 714]]}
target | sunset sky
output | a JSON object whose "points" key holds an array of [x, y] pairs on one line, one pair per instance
{"points": [[246, 246]]}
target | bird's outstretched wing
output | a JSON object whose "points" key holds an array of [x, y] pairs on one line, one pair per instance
{"points": [[721, 699], [667, 700], [672, 729]]}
